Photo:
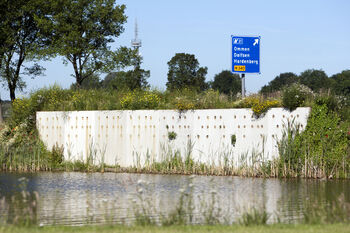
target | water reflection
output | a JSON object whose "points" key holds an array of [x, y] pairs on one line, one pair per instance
{"points": [[80, 198]]}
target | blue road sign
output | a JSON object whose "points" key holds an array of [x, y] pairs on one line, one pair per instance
{"points": [[245, 54]]}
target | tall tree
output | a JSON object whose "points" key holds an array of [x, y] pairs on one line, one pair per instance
{"points": [[184, 72], [279, 82], [2, 29], [1, 118], [91, 82], [126, 80], [227, 83], [83, 31], [315, 79], [19, 42], [130, 80], [341, 83]]}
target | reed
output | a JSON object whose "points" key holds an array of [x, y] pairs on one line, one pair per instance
{"points": [[321, 151], [336, 211], [21, 208], [254, 216]]}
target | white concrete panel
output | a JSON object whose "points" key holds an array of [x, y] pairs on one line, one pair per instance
{"points": [[179, 123], [111, 128], [138, 138], [143, 136]]}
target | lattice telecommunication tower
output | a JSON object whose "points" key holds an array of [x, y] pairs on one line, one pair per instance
{"points": [[136, 43]]}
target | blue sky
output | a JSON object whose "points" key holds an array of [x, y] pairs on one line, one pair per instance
{"points": [[295, 36]]}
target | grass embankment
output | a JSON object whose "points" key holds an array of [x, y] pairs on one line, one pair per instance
{"points": [[322, 150], [277, 228]]}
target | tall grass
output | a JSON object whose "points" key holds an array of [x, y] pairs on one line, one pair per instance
{"points": [[22, 150], [24, 158], [254, 216], [336, 211], [185, 210], [296, 160], [321, 151]]}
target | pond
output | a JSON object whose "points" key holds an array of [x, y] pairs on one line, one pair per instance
{"points": [[80, 198]]}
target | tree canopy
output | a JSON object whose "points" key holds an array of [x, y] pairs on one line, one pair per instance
{"points": [[126, 80], [227, 83], [315, 79], [19, 42], [341, 83], [131, 79], [91, 82], [279, 82], [83, 31], [185, 72]]}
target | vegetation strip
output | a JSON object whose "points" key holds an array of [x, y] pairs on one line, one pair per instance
{"points": [[321, 151], [278, 228]]}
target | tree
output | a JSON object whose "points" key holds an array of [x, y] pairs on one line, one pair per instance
{"points": [[315, 79], [83, 30], [91, 82], [2, 29], [227, 83], [341, 83], [20, 42], [130, 80], [184, 72], [279, 82], [1, 118]]}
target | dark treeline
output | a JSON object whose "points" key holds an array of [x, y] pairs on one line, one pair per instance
{"points": [[184, 73], [316, 80]]}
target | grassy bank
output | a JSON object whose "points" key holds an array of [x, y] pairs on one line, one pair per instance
{"points": [[278, 228], [321, 151]]}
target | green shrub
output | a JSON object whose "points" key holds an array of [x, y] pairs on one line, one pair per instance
{"points": [[261, 108], [233, 139], [212, 99], [55, 157], [21, 150], [326, 139], [48, 99], [258, 104], [140, 100], [254, 217], [322, 150], [172, 135], [182, 104], [22, 111], [332, 102], [339, 104], [295, 96]]}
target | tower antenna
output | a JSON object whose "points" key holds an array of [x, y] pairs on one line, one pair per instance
{"points": [[136, 43]]}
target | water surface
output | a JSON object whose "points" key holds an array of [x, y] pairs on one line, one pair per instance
{"points": [[79, 198]]}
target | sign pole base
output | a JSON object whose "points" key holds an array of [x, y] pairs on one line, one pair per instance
{"points": [[243, 86]]}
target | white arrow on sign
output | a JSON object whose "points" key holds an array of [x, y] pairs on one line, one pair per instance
{"points": [[256, 41]]}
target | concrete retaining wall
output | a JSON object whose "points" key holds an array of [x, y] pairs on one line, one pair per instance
{"points": [[130, 138]]}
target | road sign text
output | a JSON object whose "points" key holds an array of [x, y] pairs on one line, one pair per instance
{"points": [[245, 54]]}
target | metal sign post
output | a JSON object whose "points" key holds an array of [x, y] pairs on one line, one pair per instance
{"points": [[243, 85], [245, 56]]}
